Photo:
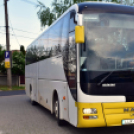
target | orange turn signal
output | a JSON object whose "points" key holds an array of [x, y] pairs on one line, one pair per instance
{"points": [[64, 97], [85, 117]]}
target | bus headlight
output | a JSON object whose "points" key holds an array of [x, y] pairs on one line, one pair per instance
{"points": [[89, 111]]}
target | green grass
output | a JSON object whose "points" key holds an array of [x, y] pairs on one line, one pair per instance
{"points": [[5, 88]]}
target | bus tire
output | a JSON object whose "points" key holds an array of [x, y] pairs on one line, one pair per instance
{"points": [[31, 99], [57, 112]]}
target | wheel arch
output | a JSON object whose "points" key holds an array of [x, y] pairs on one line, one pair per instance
{"points": [[30, 89], [54, 94]]}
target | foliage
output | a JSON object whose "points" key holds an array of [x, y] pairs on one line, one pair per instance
{"points": [[2, 51], [22, 49], [2, 57], [45, 15], [60, 7], [2, 68], [18, 63]]}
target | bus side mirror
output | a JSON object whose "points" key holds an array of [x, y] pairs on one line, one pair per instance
{"points": [[79, 34]]}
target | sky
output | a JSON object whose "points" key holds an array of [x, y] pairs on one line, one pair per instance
{"points": [[22, 16]]}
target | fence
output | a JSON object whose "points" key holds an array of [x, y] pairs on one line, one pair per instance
{"points": [[16, 80]]}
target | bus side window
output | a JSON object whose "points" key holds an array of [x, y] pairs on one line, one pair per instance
{"points": [[55, 34], [28, 54], [65, 42], [72, 23]]}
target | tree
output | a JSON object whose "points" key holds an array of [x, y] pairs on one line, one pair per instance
{"points": [[18, 63], [45, 15], [2, 57], [22, 49], [2, 52], [60, 7]]}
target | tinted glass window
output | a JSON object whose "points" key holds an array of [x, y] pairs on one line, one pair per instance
{"points": [[109, 42], [65, 41], [48, 45], [55, 37], [31, 54], [33, 49], [28, 55], [72, 23], [109, 55], [42, 46], [65, 29]]}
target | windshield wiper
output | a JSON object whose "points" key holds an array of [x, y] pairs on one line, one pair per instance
{"points": [[104, 78]]}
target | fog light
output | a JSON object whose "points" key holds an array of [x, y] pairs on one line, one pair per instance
{"points": [[89, 111]]}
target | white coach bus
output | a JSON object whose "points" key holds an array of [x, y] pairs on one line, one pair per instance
{"points": [[82, 67]]}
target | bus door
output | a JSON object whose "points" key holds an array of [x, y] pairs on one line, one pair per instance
{"points": [[72, 57], [72, 77], [69, 63]]}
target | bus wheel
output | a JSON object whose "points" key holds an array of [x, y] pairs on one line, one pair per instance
{"points": [[31, 98], [57, 112]]}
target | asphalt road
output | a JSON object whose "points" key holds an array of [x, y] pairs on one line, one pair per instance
{"points": [[18, 116], [9, 93]]}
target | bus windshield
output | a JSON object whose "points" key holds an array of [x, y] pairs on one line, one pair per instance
{"points": [[107, 56], [109, 42]]}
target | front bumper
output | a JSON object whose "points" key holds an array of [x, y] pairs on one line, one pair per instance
{"points": [[109, 114]]}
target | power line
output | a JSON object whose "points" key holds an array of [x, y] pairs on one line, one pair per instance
{"points": [[24, 37], [3, 44], [2, 33], [18, 36], [14, 33], [23, 31], [16, 29], [2, 30], [30, 2]]}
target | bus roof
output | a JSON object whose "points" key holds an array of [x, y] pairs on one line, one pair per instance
{"points": [[92, 5], [105, 6]]}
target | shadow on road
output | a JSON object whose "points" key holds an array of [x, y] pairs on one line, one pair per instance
{"points": [[72, 130]]}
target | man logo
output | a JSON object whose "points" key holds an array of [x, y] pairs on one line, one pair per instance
{"points": [[128, 109]]}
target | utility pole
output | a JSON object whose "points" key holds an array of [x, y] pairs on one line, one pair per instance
{"points": [[9, 75]]}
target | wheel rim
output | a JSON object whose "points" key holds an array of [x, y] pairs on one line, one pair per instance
{"points": [[56, 109]]}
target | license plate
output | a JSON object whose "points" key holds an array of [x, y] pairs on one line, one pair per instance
{"points": [[127, 122]]}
